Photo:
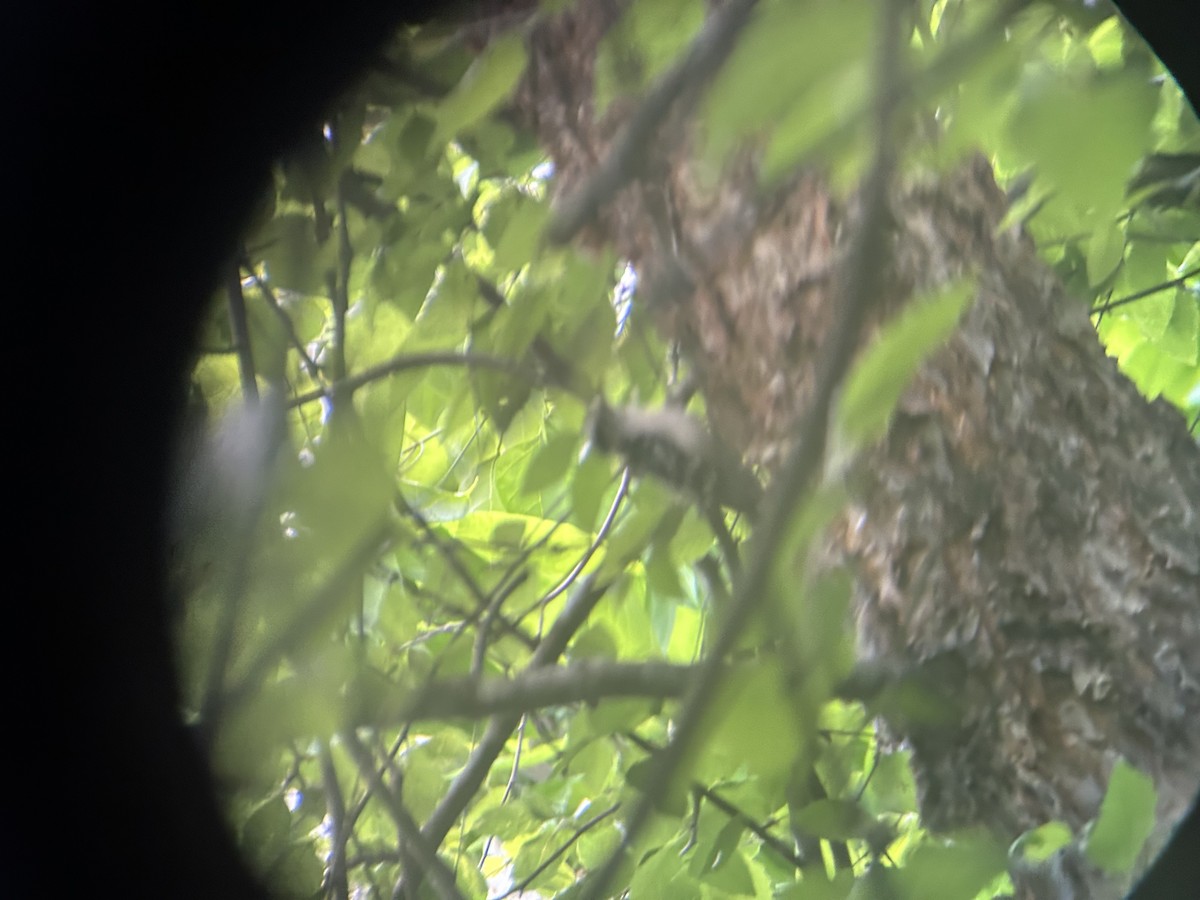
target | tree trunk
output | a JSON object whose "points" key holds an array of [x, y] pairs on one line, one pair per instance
{"points": [[1028, 516]]}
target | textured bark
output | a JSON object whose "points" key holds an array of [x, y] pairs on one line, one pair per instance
{"points": [[1029, 523]]}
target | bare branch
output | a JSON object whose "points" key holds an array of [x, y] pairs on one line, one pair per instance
{"points": [[240, 327], [406, 361], [416, 849], [588, 681]]}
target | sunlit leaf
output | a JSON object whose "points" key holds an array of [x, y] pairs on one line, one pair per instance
{"points": [[749, 726], [595, 846], [521, 234], [1125, 821], [1105, 250], [1181, 338], [959, 867], [1152, 313], [1039, 844], [661, 875], [550, 463], [486, 83], [1086, 136], [781, 54]]}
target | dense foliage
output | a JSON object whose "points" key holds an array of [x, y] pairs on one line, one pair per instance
{"points": [[393, 507]]}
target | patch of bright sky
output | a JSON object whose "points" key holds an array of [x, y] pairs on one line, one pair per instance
{"points": [[623, 295]]}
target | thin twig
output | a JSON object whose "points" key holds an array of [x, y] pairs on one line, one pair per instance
{"points": [[601, 534], [310, 366], [405, 361], [240, 327], [1140, 295], [487, 618], [777, 845], [336, 879], [553, 857], [339, 293], [558, 371], [504, 589], [416, 849], [501, 727]]}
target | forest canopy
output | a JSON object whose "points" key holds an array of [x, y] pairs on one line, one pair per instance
{"points": [[458, 535]]}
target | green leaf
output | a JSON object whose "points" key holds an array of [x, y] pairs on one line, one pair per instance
{"points": [[503, 397], [1152, 313], [644, 774], [293, 259], [413, 141], [613, 715], [1181, 338], [268, 339], [594, 765], [960, 867], [297, 872], [662, 875], [782, 54], [1106, 43], [519, 241], [517, 324], [550, 463], [641, 45], [535, 852], [592, 479], [810, 120], [266, 833], [486, 83], [833, 820], [1105, 249], [731, 875], [815, 886], [751, 725], [1039, 844], [662, 577], [1086, 134], [881, 376], [596, 845], [891, 788], [630, 539], [1125, 821]]}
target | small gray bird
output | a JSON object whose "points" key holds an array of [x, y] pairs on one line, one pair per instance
{"points": [[676, 448]]}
